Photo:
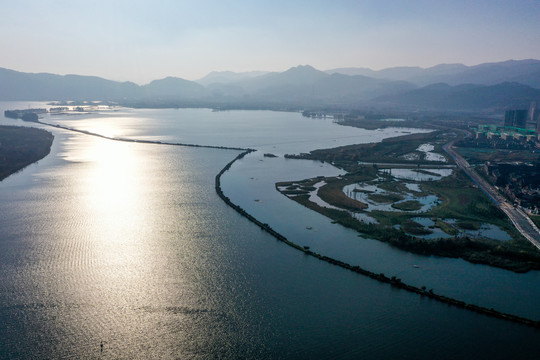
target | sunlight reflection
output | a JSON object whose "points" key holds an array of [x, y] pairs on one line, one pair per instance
{"points": [[115, 202], [114, 193], [114, 189], [106, 129], [112, 182], [112, 127]]}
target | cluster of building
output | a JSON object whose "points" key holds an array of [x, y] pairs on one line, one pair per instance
{"points": [[520, 182], [520, 126], [523, 119], [506, 133]]}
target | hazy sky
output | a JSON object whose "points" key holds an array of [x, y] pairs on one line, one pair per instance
{"points": [[141, 40]]}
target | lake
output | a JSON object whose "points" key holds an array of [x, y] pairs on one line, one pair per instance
{"points": [[128, 244]]}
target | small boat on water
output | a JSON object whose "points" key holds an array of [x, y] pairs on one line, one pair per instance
{"points": [[309, 227]]}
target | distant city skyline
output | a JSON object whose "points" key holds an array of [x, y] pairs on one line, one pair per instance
{"points": [[141, 41]]}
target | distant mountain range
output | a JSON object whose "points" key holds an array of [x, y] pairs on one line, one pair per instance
{"points": [[444, 87], [225, 77], [305, 86], [526, 72], [465, 97]]}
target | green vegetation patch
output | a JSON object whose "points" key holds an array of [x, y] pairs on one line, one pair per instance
{"points": [[481, 155], [285, 183], [332, 193], [363, 191], [409, 205], [414, 228], [393, 186], [468, 225], [385, 198], [372, 124], [21, 146], [446, 227], [536, 219], [390, 150], [426, 172], [295, 192], [461, 199]]}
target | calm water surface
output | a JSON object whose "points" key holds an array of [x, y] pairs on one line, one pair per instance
{"points": [[128, 244]]}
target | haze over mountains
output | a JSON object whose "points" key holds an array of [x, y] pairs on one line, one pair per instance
{"points": [[526, 72], [490, 86]]}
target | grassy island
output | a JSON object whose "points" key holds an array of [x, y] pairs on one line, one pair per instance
{"points": [[458, 211], [21, 146]]}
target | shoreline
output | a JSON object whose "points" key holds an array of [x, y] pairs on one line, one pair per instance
{"points": [[16, 159], [393, 281]]}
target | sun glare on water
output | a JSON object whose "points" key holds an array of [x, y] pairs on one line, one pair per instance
{"points": [[111, 187]]}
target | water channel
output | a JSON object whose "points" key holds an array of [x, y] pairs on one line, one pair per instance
{"points": [[128, 244]]}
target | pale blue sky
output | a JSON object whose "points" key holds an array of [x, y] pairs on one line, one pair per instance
{"points": [[142, 40]]}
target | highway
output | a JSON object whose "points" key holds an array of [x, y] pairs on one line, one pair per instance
{"points": [[520, 220]]}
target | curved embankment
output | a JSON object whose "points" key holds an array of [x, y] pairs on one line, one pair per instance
{"points": [[393, 281]]}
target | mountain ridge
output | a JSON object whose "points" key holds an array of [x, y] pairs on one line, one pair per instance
{"points": [[301, 86], [464, 97], [525, 71]]}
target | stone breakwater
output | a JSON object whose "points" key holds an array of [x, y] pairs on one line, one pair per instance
{"points": [[392, 281], [141, 141]]}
